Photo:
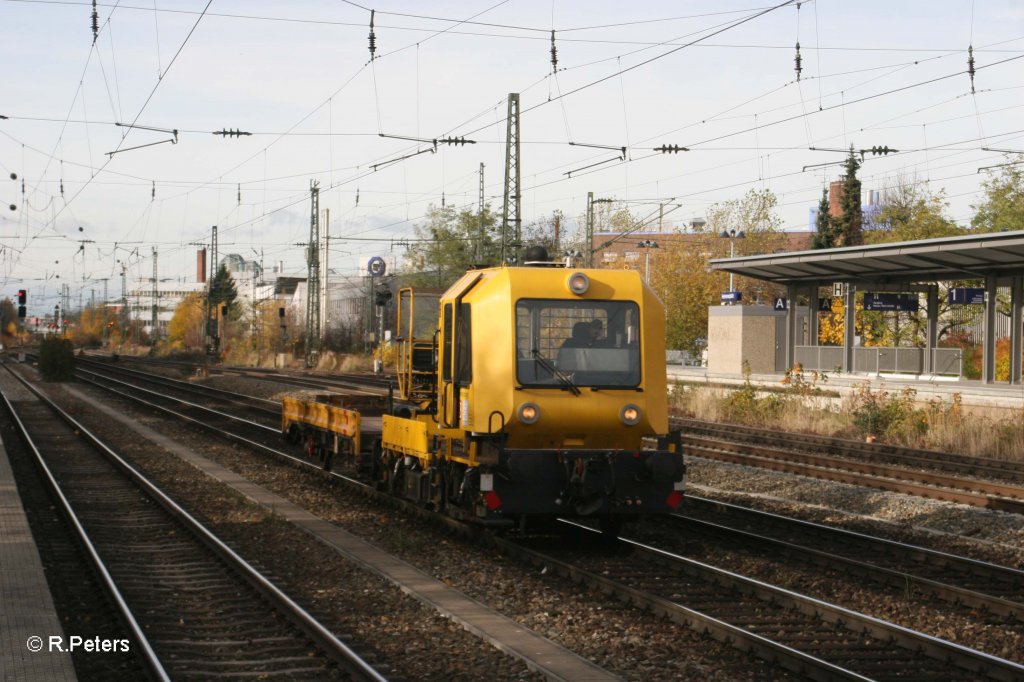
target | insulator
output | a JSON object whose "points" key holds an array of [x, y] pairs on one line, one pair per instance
{"points": [[373, 38], [95, 23], [152, 194], [970, 65], [554, 53], [797, 60], [239, 194], [442, 199], [357, 196], [62, 186]]}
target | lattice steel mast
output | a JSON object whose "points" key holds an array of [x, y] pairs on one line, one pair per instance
{"points": [[511, 211], [313, 278]]}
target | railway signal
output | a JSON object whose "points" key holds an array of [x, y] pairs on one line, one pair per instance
{"points": [[22, 299]]}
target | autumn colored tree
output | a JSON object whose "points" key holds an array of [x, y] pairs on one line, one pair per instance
{"points": [[8, 320], [681, 275], [185, 330]]}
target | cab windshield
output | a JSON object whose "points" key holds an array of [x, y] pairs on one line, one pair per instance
{"points": [[562, 343]]}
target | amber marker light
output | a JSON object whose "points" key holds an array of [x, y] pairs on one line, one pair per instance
{"points": [[630, 415], [529, 413], [578, 283]]}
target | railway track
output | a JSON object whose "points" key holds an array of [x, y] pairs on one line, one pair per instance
{"points": [[972, 585], [998, 594], [196, 609], [807, 636], [847, 468], [962, 465]]}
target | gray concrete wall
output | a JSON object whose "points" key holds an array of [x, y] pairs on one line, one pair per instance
{"points": [[741, 332]]}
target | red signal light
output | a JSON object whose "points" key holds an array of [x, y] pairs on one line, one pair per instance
{"points": [[674, 499], [492, 500]]}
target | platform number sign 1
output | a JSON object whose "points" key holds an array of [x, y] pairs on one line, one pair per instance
{"points": [[376, 267]]}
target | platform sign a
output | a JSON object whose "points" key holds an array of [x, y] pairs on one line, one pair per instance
{"points": [[824, 305], [781, 303]]}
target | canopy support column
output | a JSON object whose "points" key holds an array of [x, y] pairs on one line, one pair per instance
{"points": [[932, 329], [812, 315], [791, 291], [1016, 332], [988, 371], [849, 327]]}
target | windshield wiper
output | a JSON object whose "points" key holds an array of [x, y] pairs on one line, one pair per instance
{"points": [[558, 374]]}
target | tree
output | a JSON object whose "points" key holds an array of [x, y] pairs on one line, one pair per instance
{"points": [[446, 246], [824, 236], [222, 288], [185, 330], [1003, 206], [8, 319], [848, 224], [909, 212], [681, 275]]}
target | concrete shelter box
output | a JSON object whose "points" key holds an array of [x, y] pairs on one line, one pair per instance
{"points": [[743, 332]]}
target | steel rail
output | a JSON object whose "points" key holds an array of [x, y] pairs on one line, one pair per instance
{"points": [[324, 638], [149, 657], [961, 464], [846, 471], [947, 591], [210, 391], [964, 657]]}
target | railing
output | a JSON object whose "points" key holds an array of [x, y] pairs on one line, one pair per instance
{"points": [[882, 359]]}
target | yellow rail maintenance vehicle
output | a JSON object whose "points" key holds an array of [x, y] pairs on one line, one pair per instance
{"points": [[532, 392]]}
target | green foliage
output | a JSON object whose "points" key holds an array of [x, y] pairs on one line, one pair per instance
{"points": [[847, 226], [891, 415], [825, 234], [748, 405], [222, 288], [911, 212], [57, 359], [1003, 206], [447, 246]]}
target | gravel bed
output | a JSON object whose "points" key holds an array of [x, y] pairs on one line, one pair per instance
{"points": [[621, 638]]}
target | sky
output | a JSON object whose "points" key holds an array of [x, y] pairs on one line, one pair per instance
{"points": [[103, 179]]}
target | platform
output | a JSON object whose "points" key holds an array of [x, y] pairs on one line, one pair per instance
{"points": [[975, 394], [26, 608]]}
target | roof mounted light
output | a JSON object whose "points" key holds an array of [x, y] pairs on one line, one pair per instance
{"points": [[578, 283]]}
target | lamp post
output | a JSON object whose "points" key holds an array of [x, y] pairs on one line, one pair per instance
{"points": [[732, 235], [647, 244]]}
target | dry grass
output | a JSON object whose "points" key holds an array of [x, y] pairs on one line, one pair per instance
{"points": [[895, 418]]}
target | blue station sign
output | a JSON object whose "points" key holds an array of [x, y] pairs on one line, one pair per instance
{"points": [[906, 303], [966, 296], [732, 296]]}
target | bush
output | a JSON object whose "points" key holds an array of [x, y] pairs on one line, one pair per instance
{"points": [[884, 414], [57, 359]]}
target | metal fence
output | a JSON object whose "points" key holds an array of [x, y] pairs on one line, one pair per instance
{"points": [[880, 359]]}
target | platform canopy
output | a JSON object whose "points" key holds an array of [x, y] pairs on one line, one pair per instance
{"points": [[975, 256], [996, 258]]}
